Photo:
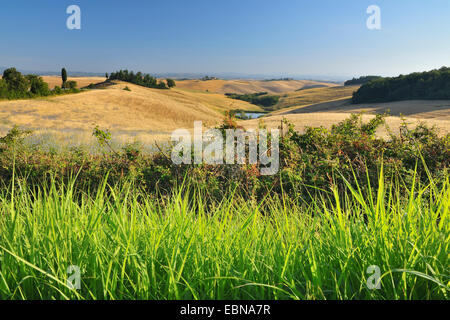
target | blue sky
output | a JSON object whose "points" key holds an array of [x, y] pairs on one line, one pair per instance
{"points": [[284, 37]]}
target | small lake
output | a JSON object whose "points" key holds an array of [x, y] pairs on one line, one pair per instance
{"points": [[250, 115]]}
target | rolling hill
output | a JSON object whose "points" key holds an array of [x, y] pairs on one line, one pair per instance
{"points": [[327, 119], [249, 86], [293, 100], [147, 114]]}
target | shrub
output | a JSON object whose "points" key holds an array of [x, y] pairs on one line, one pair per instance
{"points": [[321, 158], [38, 86], [71, 85], [57, 90], [260, 99], [3, 89]]}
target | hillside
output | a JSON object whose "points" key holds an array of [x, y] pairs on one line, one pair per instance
{"points": [[249, 86], [420, 109], [147, 114], [81, 81], [293, 100]]}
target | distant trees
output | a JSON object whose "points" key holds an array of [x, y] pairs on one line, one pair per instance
{"points": [[279, 79], [208, 78], [107, 76], [361, 80], [14, 85], [140, 79], [170, 83], [434, 84], [64, 77], [261, 99]]}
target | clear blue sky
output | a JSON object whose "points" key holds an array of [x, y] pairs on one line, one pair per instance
{"points": [[286, 37]]}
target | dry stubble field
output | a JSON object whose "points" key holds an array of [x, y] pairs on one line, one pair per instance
{"points": [[150, 115]]}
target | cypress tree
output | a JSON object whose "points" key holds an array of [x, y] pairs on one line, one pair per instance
{"points": [[64, 77]]}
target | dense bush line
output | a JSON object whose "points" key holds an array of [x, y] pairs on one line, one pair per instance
{"points": [[319, 157], [141, 79], [434, 84], [361, 80], [261, 99]]}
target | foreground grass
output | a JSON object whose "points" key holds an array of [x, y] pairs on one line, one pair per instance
{"points": [[129, 245]]}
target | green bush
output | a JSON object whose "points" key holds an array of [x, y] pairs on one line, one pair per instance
{"points": [[321, 158], [57, 90], [71, 85], [37, 85], [261, 99]]}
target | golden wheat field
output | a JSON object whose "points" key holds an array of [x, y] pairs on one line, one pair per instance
{"points": [[292, 100], [150, 115], [326, 112], [250, 86], [327, 119], [142, 113], [81, 81]]}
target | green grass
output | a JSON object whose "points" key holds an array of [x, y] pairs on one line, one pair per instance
{"points": [[130, 245]]}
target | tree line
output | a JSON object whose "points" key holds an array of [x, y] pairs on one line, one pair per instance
{"points": [[261, 99], [361, 80], [431, 85], [142, 79], [14, 85]]}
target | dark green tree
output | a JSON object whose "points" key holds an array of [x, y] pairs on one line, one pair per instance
{"points": [[16, 82], [171, 83], [38, 86], [434, 84], [139, 78], [64, 77]]}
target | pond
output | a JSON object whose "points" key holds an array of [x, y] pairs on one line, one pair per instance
{"points": [[249, 115]]}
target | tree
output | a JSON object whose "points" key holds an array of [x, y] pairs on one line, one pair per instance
{"points": [[162, 85], [107, 76], [139, 78], [170, 83], [433, 84], [37, 85], [16, 82], [64, 77]]}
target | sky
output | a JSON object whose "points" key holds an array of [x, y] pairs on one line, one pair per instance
{"points": [[283, 37]]}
